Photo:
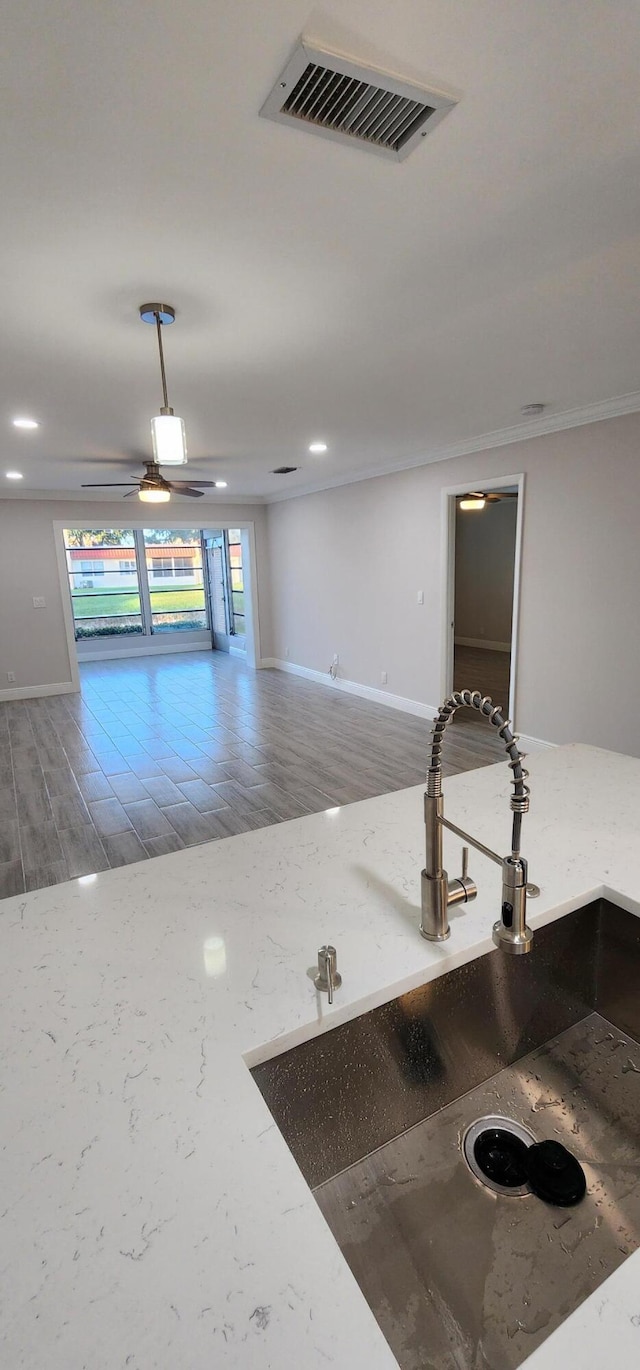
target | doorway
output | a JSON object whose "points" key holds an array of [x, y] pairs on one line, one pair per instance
{"points": [[218, 585], [225, 562], [483, 557]]}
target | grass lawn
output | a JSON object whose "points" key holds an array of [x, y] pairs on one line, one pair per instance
{"points": [[119, 602]]}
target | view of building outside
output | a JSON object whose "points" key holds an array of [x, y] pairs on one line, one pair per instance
{"points": [[174, 566], [103, 579], [115, 572]]}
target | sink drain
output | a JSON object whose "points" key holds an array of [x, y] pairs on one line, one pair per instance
{"points": [[495, 1150]]}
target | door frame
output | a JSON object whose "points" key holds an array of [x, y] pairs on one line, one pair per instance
{"points": [[252, 651], [448, 570]]}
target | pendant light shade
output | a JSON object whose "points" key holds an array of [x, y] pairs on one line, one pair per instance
{"points": [[169, 440], [167, 430]]}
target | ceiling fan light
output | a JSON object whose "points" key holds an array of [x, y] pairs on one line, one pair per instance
{"points": [[472, 502], [169, 440], [151, 496]]}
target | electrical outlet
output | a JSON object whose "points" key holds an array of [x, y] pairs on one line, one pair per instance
{"points": [[286, 652], [420, 596], [38, 602], [335, 659], [11, 677], [383, 677]]}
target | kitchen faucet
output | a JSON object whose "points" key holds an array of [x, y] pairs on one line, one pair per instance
{"points": [[438, 892]]}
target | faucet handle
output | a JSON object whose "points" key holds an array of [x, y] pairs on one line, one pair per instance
{"points": [[464, 887]]}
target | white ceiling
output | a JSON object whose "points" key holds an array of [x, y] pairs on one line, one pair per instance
{"points": [[392, 309]]}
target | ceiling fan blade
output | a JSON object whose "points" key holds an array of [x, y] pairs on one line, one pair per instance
{"points": [[185, 490], [106, 485], [192, 484], [130, 493]]}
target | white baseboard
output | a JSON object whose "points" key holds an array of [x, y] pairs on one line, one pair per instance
{"points": [[483, 642], [65, 687], [407, 706], [353, 687], [238, 651], [161, 649], [534, 744]]}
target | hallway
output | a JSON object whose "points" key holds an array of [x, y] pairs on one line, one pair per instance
{"points": [[170, 751]]}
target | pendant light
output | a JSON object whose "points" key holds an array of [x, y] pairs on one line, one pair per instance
{"points": [[167, 430]]}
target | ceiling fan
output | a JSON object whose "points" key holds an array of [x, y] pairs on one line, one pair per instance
{"points": [[476, 499], [152, 487]]}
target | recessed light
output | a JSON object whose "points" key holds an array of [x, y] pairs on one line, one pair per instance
{"points": [[25, 423], [13, 475], [221, 485], [317, 447]]}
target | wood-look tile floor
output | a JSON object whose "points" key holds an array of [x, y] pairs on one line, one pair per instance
{"points": [[475, 668], [175, 750]]}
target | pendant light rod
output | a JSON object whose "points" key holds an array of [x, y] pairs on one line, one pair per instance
{"points": [[162, 370], [160, 315], [167, 429]]}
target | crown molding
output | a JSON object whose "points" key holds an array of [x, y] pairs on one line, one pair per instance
{"points": [[501, 437]]}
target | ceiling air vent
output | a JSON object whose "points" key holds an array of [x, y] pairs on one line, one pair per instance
{"points": [[284, 470], [331, 95]]}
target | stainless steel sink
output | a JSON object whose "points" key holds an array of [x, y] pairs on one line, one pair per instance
{"points": [[375, 1113]]}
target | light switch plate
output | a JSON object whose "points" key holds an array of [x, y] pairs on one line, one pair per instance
{"points": [[38, 602]]}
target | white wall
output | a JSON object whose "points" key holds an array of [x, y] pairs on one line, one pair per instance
{"points": [[346, 565], [33, 642], [485, 554]]}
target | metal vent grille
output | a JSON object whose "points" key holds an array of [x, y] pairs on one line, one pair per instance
{"points": [[335, 97], [347, 105]]}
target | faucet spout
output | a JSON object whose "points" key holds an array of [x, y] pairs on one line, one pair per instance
{"points": [[438, 892]]}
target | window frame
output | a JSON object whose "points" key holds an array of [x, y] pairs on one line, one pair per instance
{"points": [[147, 574]]}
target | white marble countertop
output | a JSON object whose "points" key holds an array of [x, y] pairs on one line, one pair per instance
{"points": [[152, 1215]]}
